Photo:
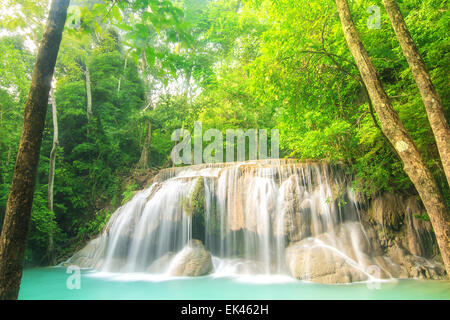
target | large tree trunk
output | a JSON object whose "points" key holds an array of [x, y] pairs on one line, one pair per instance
{"points": [[88, 94], [430, 96], [18, 208], [414, 165], [51, 176]]}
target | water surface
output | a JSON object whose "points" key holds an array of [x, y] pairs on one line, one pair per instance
{"points": [[50, 283]]}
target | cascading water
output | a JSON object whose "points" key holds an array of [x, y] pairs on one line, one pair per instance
{"points": [[254, 217]]}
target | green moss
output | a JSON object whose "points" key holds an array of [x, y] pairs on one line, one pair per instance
{"points": [[195, 204], [194, 207], [198, 197], [424, 216]]}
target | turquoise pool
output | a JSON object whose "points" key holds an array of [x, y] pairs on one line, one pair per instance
{"points": [[51, 283]]}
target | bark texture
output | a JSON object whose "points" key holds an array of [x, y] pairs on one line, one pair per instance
{"points": [[124, 69], [88, 94], [147, 131], [393, 128], [18, 208], [430, 96], [51, 174], [143, 161]]}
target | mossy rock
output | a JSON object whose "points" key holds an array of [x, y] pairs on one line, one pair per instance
{"points": [[194, 206], [195, 203]]}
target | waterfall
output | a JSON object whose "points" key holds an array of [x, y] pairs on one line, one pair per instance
{"points": [[245, 214]]}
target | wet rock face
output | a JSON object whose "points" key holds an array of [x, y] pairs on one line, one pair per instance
{"points": [[346, 254], [387, 210], [406, 240], [308, 260], [161, 264], [396, 219], [89, 256], [411, 266], [420, 240], [194, 260]]}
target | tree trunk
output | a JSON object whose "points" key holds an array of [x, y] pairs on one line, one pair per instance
{"points": [[88, 94], [187, 84], [51, 176], [18, 208], [414, 165], [120, 78], [143, 161], [430, 96]]}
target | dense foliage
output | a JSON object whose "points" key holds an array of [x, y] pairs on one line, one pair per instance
{"points": [[229, 64]]}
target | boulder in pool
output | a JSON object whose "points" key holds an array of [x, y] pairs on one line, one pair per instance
{"points": [[193, 261]]}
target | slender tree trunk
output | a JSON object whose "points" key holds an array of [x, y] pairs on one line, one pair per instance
{"points": [[414, 165], [120, 78], [18, 208], [143, 161], [187, 84], [430, 96], [238, 5], [51, 176], [147, 83], [88, 94]]}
